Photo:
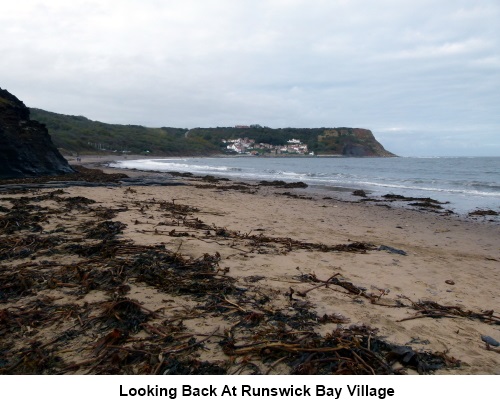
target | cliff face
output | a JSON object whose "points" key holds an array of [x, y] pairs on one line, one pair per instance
{"points": [[355, 142], [26, 149]]}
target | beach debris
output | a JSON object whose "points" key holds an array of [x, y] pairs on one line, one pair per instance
{"points": [[403, 198], [431, 309], [392, 250], [237, 187], [423, 362], [450, 282], [333, 318], [419, 341], [359, 193], [283, 184], [296, 196], [83, 175], [426, 203], [483, 213], [353, 350], [489, 341], [209, 178], [313, 277], [105, 230], [381, 291], [69, 299], [181, 174]]}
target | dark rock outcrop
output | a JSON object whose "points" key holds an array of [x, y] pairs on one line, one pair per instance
{"points": [[354, 150], [26, 149]]}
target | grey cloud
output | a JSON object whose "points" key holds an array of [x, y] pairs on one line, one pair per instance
{"points": [[425, 67]]}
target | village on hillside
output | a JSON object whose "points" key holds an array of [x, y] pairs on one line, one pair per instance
{"points": [[250, 147]]}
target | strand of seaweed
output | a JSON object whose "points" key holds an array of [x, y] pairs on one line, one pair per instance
{"points": [[424, 308], [179, 216], [116, 334]]}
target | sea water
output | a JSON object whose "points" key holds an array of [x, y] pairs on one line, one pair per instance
{"points": [[467, 183]]}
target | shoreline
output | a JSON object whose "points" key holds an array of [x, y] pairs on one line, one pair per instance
{"points": [[424, 281], [417, 203]]}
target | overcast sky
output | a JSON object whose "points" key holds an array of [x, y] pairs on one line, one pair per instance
{"points": [[423, 75]]}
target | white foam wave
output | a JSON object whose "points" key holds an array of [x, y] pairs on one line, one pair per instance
{"points": [[431, 189], [164, 166]]}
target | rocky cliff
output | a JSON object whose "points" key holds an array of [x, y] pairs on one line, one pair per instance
{"points": [[26, 149], [352, 142]]}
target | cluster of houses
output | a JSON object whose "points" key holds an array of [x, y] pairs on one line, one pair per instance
{"points": [[249, 147]]}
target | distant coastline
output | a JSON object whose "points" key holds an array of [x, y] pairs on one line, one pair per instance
{"points": [[78, 134]]}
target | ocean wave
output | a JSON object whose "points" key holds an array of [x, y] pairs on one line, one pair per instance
{"points": [[162, 166], [283, 173], [432, 189], [316, 175], [443, 184]]}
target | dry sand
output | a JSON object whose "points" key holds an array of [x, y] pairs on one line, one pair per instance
{"points": [[451, 261]]}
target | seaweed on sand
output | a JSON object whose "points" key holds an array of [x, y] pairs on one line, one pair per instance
{"points": [[45, 330]]}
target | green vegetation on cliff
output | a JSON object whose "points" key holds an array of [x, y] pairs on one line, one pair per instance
{"points": [[322, 141], [80, 135]]}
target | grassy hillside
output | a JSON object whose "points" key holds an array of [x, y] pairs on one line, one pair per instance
{"points": [[78, 134]]}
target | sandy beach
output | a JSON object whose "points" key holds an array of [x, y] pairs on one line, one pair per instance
{"points": [[171, 274]]}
